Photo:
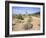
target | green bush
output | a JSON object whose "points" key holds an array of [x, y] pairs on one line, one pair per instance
{"points": [[19, 17]]}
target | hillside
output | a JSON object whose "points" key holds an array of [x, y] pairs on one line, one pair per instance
{"points": [[26, 22]]}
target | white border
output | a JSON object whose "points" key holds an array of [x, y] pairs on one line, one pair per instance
{"points": [[25, 32]]}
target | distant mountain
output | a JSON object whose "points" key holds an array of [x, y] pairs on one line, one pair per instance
{"points": [[37, 13]]}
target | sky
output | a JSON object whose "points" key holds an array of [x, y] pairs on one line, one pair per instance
{"points": [[23, 10]]}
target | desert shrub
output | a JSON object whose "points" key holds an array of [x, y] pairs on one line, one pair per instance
{"points": [[23, 14], [38, 24], [28, 26], [29, 14], [19, 17], [37, 15], [13, 24]]}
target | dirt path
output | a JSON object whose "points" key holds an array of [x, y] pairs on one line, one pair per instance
{"points": [[36, 23]]}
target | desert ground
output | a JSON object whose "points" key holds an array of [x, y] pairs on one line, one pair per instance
{"points": [[29, 22]]}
